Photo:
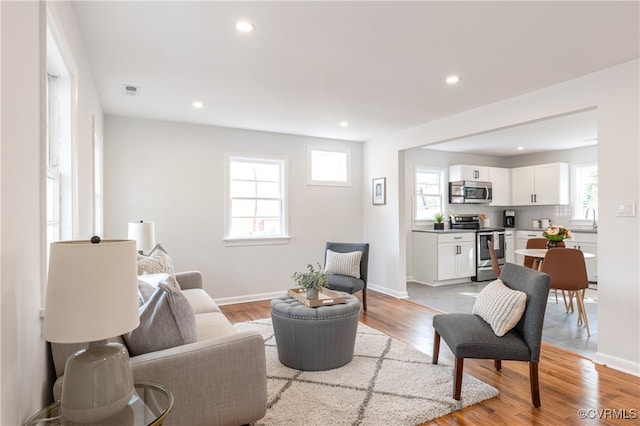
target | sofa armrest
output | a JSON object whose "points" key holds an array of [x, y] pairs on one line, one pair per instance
{"points": [[221, 381], [189, 279]]}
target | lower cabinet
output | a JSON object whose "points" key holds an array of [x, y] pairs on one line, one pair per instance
{"points": [[509, 246], [444, 258], [588, 243]]}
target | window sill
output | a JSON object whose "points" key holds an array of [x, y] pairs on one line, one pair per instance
{"points": [[254, 241]]}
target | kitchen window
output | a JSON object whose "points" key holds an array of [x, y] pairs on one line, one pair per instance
{"points": [[585, 192], [256, 202], [430, 193]]}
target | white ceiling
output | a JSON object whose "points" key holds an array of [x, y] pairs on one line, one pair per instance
{"points": [[309, 65]]}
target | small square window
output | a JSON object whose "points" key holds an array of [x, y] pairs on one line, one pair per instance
{"points": [[329, 167]]}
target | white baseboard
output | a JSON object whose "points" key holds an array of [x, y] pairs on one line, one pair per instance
{"points": [[616, 363], [248, 298], [264, 296], [388, 292]]}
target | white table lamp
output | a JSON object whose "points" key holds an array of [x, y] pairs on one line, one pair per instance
{"points": [[144, 234], [92, 295]]}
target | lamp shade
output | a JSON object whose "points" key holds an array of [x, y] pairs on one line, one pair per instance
{"points": [[92, 291], [144, 234]]}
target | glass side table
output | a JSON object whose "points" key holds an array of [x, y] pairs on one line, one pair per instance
{"points": [[148, 406]]}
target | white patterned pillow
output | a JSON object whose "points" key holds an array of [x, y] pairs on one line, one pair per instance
{"points": [[343, 263], [158, 262], [500, 306]]}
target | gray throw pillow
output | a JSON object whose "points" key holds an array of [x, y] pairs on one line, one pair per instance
{"points": [[166, 320]]}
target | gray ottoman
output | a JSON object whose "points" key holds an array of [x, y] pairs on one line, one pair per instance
{"points": [[313, 339]]}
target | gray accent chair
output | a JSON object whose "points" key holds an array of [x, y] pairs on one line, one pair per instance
{"points": [[469, 336], [350, 284]]}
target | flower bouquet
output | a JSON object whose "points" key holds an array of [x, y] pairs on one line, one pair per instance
{"points": [[556, 235]]}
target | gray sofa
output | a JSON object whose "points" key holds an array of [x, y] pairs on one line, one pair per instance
{"points": [[219, 380]]}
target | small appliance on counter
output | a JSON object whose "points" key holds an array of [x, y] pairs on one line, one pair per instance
{"points": [[509, 218], [545, 223]]}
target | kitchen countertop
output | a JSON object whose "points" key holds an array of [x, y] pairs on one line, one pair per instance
{"points": [[446, 231], [579, 231]]}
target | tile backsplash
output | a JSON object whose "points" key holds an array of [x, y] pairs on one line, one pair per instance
{"points": [[559, 215]]}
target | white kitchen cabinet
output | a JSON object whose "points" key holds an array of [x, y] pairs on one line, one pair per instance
{"points": [[588, 243], [500, 179], [444, 258], [467, 172], [543, 184], [509, 246], [521, 243]]}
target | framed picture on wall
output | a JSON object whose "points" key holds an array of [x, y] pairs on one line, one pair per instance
{"points": [[379, 191]]}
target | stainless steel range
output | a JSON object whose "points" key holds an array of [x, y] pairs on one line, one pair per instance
{"points": [[484, 271]]}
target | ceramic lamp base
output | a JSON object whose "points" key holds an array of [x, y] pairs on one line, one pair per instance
{"points": [[98, 382]]}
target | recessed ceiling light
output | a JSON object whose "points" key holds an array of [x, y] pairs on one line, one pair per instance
{"points": [[453, 79], [198, 104], [344, 124], [244, 26], [520, 148]]}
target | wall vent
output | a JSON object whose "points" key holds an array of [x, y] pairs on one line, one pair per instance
{"points": [[131, 90]]}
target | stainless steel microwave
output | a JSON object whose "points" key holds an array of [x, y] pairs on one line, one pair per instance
{"points": [[470, 192]]}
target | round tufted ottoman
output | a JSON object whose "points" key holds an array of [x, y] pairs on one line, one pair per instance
{"points": [[313, 339]]}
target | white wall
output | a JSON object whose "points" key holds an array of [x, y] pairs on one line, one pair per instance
{"points": [[614, 92], [26, 385], [173, 175]]}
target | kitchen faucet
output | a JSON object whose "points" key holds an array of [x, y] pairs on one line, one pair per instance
{"points": [[586, 216]]}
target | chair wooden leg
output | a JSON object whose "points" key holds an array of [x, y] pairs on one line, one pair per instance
{"points": [[436, 347], [364, 299], [582, 311], [457, 378], [535, 385], [498, 364]]}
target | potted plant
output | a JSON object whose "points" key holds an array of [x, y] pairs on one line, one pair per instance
{"points": [[312, 280], [439, 224]]}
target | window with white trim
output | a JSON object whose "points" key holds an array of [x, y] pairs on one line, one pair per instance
{"points": [[257, 205], [59, 176], [585, 191], [329, 167], [430, 193]]}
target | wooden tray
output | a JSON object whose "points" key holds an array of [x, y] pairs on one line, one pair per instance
{"points": [[326, 297]]}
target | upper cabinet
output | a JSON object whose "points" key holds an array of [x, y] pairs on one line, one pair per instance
{"points": [[467, 172], [500, 179], [543, 184]]}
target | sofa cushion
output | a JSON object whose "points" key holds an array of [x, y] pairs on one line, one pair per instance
{"points": [[343, 263], [158, 262], [166, 320], [212, 325], [200, 301], [500, 306]]}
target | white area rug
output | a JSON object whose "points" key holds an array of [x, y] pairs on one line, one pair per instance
{"points": [[386, 383]]}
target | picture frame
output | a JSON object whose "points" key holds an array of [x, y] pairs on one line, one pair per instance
{"points": [[379, 191]]}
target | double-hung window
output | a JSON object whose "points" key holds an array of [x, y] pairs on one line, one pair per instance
{"points": [[585, 192], [256, 198], [430, 192]]}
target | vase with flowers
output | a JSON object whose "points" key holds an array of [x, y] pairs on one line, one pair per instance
{"points": [[555, 235]]}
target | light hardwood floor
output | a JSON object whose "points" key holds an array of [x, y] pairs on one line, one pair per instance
{"points": [[568, 382]]}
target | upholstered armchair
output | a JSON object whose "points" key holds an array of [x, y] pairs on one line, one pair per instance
{"points": [[471, 336], [349, 282]]}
